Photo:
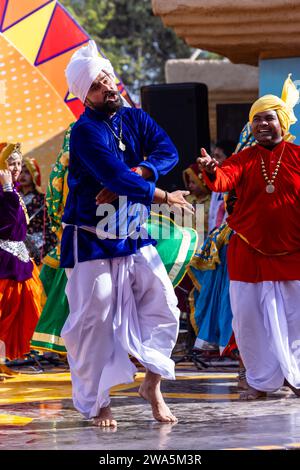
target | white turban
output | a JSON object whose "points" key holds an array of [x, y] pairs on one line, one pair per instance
{"points": [[84, 66]]}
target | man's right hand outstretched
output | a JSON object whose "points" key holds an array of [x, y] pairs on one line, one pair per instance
{"points": [[206, 162], [176, 199]]}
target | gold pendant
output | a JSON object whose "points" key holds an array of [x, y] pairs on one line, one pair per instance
{"points": [[270, 188], [122, 146]]}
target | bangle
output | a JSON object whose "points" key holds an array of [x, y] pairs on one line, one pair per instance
{"points": [[7, 187], [165, 201]]}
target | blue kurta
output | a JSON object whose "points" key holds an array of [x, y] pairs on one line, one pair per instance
{"points": [[97, 162]]}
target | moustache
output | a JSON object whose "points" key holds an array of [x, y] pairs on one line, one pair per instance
{"points": [[111, 94]]}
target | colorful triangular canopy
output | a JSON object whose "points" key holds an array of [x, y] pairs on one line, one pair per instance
{"points": [[54, 43], [17, 10]]}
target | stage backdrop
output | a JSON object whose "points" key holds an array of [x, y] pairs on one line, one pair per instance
{"points": [[37, 39]]}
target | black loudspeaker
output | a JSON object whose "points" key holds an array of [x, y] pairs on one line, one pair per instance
{"points": [[181, 109], [231, 119]]}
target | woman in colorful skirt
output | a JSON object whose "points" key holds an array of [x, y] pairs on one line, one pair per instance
{"points": [[20, 288], [40, 238], [56, 309]]}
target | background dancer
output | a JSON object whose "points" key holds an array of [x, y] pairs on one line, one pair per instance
{"points": [[20, 289], [264, 252]]}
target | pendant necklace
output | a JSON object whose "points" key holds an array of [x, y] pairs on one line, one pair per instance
{"points": [[270, 188], [122, 146]]}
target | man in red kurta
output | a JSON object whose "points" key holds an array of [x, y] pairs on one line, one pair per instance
{"points": [[264, 252]]}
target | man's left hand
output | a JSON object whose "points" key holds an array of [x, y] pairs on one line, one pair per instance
{"points": [[105, 196]]}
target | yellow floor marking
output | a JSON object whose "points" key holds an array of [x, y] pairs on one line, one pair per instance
{"points": [[65, 377], [295, 445], [199, 396], [225, 375], [139, 376], [120, 388], [13, 420], [270, 447], [56, 377], [14, 400], [27, 388], [206, 377]]}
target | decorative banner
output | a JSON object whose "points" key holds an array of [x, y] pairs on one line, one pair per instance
{"points": [[37, 40]]}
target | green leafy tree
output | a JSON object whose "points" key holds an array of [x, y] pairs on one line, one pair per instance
{"points": [[136, 42]]}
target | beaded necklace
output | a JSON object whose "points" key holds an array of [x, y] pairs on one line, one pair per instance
{"points": [[270, 188]]}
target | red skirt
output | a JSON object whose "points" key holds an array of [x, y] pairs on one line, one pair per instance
{"points": [[20, 309]]}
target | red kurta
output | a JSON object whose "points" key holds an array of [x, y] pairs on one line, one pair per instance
{"points": [[269, 222]]}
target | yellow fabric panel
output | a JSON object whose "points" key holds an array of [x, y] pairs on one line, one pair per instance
{"points": [[28, 35]]}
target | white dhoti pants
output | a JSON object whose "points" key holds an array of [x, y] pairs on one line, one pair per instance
{"points": [[266, 324], [118, 306]]}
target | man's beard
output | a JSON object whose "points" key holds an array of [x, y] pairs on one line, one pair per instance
{"points": [[110, 106]]}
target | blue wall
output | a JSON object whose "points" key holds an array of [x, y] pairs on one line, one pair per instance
{"points": [[272, 74]]}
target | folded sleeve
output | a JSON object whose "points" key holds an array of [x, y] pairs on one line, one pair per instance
{"points": [[155, 174]]}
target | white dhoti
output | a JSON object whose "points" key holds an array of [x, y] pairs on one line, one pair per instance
{"points": [[118, 306], [266, 324]]}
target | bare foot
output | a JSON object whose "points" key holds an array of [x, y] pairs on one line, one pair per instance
{"points": [[150, 391], [252, 394], [105, 418], [294, 389]]}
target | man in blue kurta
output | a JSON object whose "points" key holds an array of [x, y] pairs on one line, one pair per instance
{"points": [[121, 299]]}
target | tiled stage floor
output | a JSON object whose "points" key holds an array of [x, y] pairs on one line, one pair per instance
{"points": [[36, 412]]}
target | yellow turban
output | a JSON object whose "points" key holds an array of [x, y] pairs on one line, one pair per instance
{"points": [[283, 107], [6, 150]]}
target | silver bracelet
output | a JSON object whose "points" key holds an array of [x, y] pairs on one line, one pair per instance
{"points": [[7, 187]]}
